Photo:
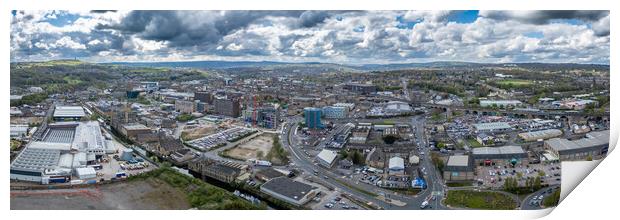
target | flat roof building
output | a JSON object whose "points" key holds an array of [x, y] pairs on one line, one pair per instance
{"points": [[504, 155], [290, 191], [542, 134], [396, 165], [68, 113], [492, 127], [459, 168], [500, 103], [594, 146], [63, 147], [327, 157]]}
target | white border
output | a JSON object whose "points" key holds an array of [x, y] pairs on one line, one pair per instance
{"points": [[594, 197]]}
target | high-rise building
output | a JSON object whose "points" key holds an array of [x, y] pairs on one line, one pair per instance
{"points": [[334, 112], [185, 106], [206, 97], [228, 107], [201, 107], [313, 118]]}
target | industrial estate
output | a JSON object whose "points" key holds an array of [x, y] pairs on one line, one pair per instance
{"points": [[261, 135]]}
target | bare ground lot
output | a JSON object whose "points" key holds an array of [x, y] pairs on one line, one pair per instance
{"points": [[26, 120], [134, 195], [194, 132], [251, 149]]}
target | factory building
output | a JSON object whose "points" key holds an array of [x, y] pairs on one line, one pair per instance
{"points": [[327, 158], [60, 151], [66, 113], [499, 156], [594, 146], [542, 134], [290, 191], [459, 168], [493, 127], [396, 166], [500, 103]]}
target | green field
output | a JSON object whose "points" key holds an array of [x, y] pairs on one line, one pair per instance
{"points": [[200, 195], [515, 82], [473, 143], [479, 200]]}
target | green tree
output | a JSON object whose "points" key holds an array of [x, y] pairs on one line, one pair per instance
{"points": [[537, 185], [357, 158], [390, 139], [343, 154], [552, 200]]}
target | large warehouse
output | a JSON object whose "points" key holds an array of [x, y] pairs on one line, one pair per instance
{"points": [[594, 146], [490, 156], [63, 147], [459, 168], [290, 191], [327, 158], [542, 134], [62, 113], [492, 127]]}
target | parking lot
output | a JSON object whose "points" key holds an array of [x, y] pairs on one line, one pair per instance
{"points": [[220, 139], [111, 166], [493, 176], [332, 200]]}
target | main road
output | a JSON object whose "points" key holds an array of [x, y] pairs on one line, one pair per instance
{"points": [[365, 191]]}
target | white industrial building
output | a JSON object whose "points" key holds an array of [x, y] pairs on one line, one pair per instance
{"points": [[500, 103], [60, 151], [68, 113], [396, 166], [85, 173], [594, 146], [540, 135], [19, 131], [327, 158], [493, 127]]}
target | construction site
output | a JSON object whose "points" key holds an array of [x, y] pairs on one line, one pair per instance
{"points": [[255, 148]]}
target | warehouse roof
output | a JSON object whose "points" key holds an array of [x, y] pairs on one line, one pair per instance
{"points": [[288, 188], [499, 152], [459, 163], [135, 126], [492, 126], [327, 156], [593, 140], [396, 163], [85, 171], [32, 159], [542, 134], [69, 111], [458, 160]]}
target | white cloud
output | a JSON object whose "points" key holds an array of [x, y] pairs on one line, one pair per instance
{"points": [[351, 37]]}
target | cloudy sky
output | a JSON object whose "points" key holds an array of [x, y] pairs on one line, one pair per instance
{"points": [[350, 37]]}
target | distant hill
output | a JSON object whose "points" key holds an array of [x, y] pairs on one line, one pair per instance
{"points": [[362, 67]]}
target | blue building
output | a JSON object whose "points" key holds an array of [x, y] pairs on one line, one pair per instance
{"points": [[201, 107], [313, 118], [334, 112]]}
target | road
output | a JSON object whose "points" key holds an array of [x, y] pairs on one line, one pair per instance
{"points": [[525, 204], [361, 190], [433, 180]]}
